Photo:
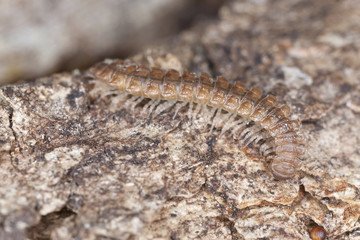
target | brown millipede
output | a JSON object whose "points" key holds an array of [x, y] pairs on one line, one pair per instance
{"points": [[158, 84]]}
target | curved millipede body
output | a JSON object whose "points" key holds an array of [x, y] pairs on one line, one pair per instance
{"points": [[155, 83]]}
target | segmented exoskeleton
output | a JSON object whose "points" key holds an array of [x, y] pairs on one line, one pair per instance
{"points": [[155, 83]]}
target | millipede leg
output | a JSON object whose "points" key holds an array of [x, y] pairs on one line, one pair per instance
{"points": [[246, 131], [151, 107], [252, 137], [267, 152], [209, 113], [178, 107], [215, 119], [228, 124], [263, 147], [109, 92], [190, 111], [132, 102], [266, 148], [118, 98], [162, 107], [247, 134], [196, 111], [261, 134], [223, 118], [239, 124]]}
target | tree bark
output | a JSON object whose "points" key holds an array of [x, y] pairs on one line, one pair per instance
{"points": [[79, 161]]}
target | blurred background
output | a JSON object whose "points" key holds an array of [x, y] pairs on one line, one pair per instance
{"points": [[41, 37]]}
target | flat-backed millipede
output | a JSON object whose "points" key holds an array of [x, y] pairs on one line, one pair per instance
{"points": [[158, 84]]}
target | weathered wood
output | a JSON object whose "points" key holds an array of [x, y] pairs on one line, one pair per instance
{"points": [[80, 161]]}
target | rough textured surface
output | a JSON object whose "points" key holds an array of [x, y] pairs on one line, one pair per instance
{"points": [[77, 162]]}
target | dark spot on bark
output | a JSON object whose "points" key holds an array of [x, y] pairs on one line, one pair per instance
{"points": [[345, 88], [19, 94], [163, 156], [63, 84], [173, 236], [257, 58], [159, 191], [110, 153], [75, 201], [9, 91], [213, 185], [76, 175], [71, 98], [315, 122], [47, 223], [147, 196], [210, 141], [156, 142], [229, 166], [40, 158], [137, 161], [279, 74]]}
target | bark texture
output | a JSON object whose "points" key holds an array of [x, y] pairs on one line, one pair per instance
{"points": [[77, 161]]}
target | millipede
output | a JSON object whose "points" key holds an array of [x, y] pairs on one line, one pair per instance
{"points": [[170, 85]]}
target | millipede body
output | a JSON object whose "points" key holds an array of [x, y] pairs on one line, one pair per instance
{"points": [[159, 84]]}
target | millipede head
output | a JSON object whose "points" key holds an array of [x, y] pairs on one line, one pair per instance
{"points": [[101, 71]]}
